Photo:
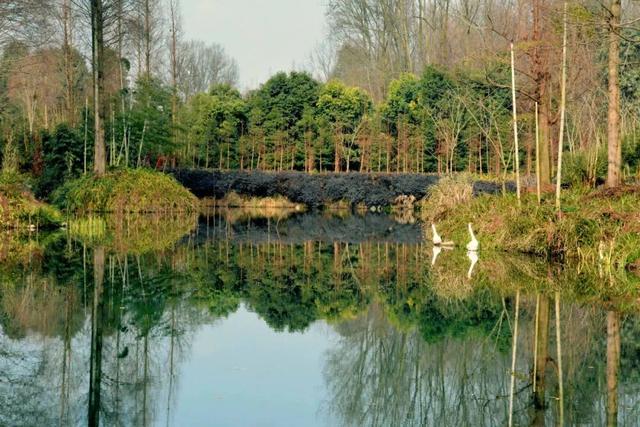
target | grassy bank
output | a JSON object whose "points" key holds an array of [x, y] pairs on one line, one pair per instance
{"points": [[595, 227], [125, 191], [19, 209]]}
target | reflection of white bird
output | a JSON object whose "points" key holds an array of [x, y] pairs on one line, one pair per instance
{"points": [[473, 244], [437, 240], [436, 252], [473, 257]]}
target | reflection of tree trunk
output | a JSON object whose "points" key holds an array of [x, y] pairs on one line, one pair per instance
{"points": [[514, 353], [66, 360], [145, 379], [559, 360], [613, 363], [95, 372], [542, 352], [171, 362]]}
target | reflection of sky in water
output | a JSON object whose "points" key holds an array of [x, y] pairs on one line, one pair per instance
{"points": [[242, 373]]}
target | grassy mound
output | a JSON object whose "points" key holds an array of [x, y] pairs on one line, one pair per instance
{"points": [[125, 191], [443, 197], [596, 227], [20, 209]]}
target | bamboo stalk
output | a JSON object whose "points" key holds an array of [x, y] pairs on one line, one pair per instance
{"points": [[563, 100], [515, 124], [537, 160]]}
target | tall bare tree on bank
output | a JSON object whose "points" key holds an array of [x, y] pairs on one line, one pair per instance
{"points": [[613, 121], [563, 101], [174, 17], [97, 63], [67, 26], [201, 65], [542, 80]]}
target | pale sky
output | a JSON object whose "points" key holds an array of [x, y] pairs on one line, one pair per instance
{"points": [[264, 36]]}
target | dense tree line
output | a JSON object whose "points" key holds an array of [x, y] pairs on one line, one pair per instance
{"points": [[409, 86]]}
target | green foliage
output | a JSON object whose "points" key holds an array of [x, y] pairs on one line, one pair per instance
{"points": [[63, 159], [403, 103], [281, 102], [122, 191], [282, 112], [342, 106], [149, 120], [214, 123]]}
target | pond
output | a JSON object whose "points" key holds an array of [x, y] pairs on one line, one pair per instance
{"points": [[308, 319]]}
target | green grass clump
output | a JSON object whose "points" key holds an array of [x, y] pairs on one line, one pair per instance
{"points": [[125, 191], [20, 209]]}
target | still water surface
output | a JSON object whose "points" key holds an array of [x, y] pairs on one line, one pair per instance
{"points": [[306, 320]]}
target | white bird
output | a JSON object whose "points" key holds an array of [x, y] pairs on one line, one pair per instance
{"points": [[473, 245], [473, 257], [437, 240]]}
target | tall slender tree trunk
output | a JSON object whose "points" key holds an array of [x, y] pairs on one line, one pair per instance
{"points": [[563, 101], [147, 37], [97, 38], [173, 6], [516, 146], [68, 68], [542, 80], [613, 122]]}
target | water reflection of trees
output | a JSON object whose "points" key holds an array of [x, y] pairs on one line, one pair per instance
{"points": [[89, 335], [416, 350], [418, 345]]}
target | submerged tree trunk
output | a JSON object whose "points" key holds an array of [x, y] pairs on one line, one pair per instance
{"points": [[613, 121]]}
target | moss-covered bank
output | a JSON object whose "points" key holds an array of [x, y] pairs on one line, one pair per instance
{"points": [[125, 191], [597, 228], [19, 209]]}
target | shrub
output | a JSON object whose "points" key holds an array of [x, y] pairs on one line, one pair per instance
{"points": [[125, 190], [63, 152], [584, 167]]}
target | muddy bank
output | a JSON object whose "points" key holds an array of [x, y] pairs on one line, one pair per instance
{"points": [[311, 226], [315, 190]]}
